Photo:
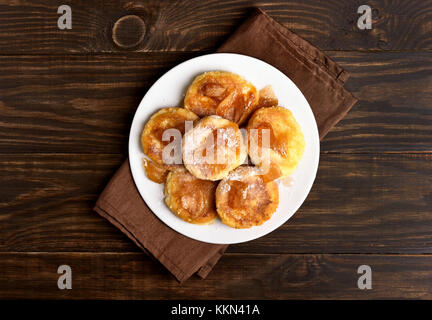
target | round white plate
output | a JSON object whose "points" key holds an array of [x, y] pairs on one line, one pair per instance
{"points": [[169, 91]]}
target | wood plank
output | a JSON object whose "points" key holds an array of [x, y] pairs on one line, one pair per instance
{"points": [[74, 103], [134, 276], [394, 112], [46, 203], [85, 103], [31, 26], [359, 203]]}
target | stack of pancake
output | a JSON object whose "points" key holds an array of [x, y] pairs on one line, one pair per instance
{"points": [[200, 151]]}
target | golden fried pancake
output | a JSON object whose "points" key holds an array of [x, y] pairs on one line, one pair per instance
{"points": [[286, 141], [191, 199], [222, 93], [151, 137], [244, 200], [213, 148], [155, 172]]}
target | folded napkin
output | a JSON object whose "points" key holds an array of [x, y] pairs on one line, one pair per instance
{"points": [[321, 81]]}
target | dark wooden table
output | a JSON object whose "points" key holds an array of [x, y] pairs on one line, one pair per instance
{"points": [[67, 98]]}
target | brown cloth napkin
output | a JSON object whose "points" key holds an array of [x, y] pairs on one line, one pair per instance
{"points": [[319, 78]]}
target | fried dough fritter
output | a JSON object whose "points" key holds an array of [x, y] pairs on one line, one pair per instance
{"points": [[244, 200], [191, 199], [287, 143], [163, 119], [222, 93], [213, 148], [155, 172]]}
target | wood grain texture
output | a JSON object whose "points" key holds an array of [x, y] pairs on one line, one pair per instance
{"points": [[394, 112], [236, 276], [67, 98], [31, 26], [359, 204], [85, 103], [74, 103]]}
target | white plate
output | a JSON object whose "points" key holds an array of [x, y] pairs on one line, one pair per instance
{"points": [[169, 91]]}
